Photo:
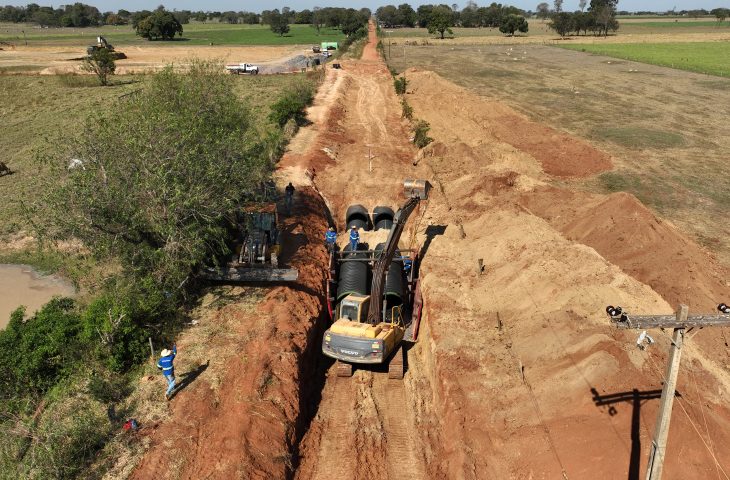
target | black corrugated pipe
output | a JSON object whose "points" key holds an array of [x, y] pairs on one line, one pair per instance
{"points": [[353, 277], [394, 291], [357, 215], [383, 217]]}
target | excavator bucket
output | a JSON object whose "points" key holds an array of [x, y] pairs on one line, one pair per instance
{"points": [[250, 274], [413, 188]]}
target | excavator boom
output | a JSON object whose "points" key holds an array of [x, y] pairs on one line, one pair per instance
{"points": [[415, 191]]}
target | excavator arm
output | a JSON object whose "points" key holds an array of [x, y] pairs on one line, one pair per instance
{"points": [[415, 190]]}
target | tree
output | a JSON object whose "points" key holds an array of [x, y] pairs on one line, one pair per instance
{"points": [[513, 23], [558, 5], [406, 15], [279, 23], [160, 25], [582, 4], [317, 18], [441, 20], [101, 63], [352, 23], [543, 10], [562, 23], [721, 14], [162, 171], [604, 14], [423, 14], [388, 15]]}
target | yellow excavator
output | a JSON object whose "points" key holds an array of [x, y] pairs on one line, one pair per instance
{"points": [[369, 327]]}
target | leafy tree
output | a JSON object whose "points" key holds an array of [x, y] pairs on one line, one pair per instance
{"points": [[115, 19], [720, 13], [100, 63], [161, 24], [160, 173], [406, 15], [513, 23], [351, 25], [558, 5], [279, 23], [543, 10], [388, 15], [583, 21], [582, 4], [604, 14], [441, 20], [562, 23], [304, 17], [423, 14]]}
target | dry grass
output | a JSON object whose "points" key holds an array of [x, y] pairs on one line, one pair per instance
{"points": [[665, 128], [211, 341]]}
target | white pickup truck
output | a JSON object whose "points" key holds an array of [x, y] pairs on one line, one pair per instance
{"points": [[243, 68]]}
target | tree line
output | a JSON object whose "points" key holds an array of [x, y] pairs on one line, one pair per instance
{"points": [[81, 15], [472, 15], [599, 19]]}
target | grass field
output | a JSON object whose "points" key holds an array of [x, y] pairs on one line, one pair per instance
{"points": [[540, 27], [37, 109], [707, 57], [665, 128], [193, 34]]}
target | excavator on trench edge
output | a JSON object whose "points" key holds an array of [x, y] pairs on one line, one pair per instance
{"points": [[366, 330]]}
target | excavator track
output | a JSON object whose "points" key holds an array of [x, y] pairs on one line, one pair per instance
{"points": [[396, 364], [343, 369]]}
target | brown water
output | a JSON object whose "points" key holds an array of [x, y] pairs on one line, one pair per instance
{"points": [[21, 285]]}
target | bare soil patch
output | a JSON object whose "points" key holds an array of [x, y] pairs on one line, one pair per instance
{"points": [[521, 351], [140, 59]]}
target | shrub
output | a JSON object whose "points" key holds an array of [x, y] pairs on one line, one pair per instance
{"points": [[292, 104], [407, 110], [400, 84], [420, 134], [111, 327], [36, 353]]}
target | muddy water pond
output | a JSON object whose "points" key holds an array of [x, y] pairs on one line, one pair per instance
{"points": [[21, 285]]}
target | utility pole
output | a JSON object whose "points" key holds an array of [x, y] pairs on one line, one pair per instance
{"points": [[682, 323]]}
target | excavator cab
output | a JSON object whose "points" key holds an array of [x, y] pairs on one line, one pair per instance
{"points": [[354, 307]]}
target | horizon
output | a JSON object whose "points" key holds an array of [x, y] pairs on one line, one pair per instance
{"points": [[297, 5]]}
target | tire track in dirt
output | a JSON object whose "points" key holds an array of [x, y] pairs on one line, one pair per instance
{"points": [[402, 453]]}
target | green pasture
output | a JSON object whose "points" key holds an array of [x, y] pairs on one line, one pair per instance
{"points": [[712, 58], [193, 34]]}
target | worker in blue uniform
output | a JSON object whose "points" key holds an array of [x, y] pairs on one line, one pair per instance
{"points": [[407, 265], [354, 238], [168, 369], [330, 238]]}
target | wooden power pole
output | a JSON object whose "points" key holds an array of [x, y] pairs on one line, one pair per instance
{"points": [[682, 323]]}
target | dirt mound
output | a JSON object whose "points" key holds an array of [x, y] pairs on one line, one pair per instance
{"points": [[520, 354], [246, 427], [559, 154], [626, 233]]}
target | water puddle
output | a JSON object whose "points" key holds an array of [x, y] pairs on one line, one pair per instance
{"points": [[21, 285]]}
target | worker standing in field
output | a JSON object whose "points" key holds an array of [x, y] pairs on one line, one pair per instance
{"points": [[354, 238], [168, 369], [330, 238], [289, 196]]}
